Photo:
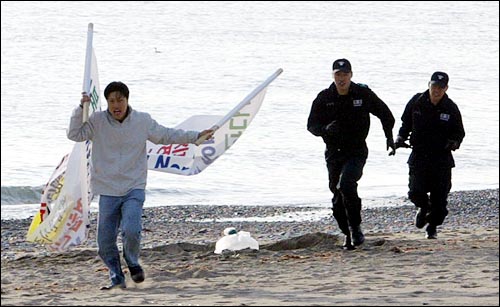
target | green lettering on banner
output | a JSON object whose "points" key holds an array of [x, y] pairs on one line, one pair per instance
{"points": [[232, 124], [94, 98]]}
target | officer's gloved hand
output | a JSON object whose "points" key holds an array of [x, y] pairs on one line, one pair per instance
{"points": [[390, 144], [452, 145], [332, 128], [400, 143]]}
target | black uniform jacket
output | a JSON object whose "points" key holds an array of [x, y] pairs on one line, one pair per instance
{"points": [[352, 115], [429, 128]]}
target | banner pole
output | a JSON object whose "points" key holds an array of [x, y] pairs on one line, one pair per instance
{"points": [[245, 101], [86, 76]]}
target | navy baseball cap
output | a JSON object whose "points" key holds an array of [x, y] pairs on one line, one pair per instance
{"points": [[440, 79], [341, 65]]}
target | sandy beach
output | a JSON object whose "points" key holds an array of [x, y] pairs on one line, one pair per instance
{"points": [[298, 263]]}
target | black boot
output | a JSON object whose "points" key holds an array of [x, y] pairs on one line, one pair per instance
{"points": [[357, 235], [347, 243], [341, 218], [421, 217], [431, 232]]}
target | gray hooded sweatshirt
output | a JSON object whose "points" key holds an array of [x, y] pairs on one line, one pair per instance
{"points": [[119, 160]]}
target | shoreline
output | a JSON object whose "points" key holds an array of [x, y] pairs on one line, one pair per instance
{"points": [[205, 223], [298, 263]]}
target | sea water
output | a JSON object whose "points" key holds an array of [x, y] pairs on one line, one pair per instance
{"points": [[187, 58]]}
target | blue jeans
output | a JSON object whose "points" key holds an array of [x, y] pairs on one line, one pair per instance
{"points": [[115, 212]]}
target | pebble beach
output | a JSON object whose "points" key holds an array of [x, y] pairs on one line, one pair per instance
{"points": [[297, 244]]}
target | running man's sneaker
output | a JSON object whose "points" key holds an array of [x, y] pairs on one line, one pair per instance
{"points": [[137, 274], [115, 286]]}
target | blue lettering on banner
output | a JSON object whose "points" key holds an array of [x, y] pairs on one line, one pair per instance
{"points": [[165, 163], [207, 154]]}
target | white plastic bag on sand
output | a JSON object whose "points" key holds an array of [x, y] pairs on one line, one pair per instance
{"points": [[234, 241]]}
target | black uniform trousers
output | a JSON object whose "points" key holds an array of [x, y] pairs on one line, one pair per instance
{"points": [[344, 174], [437, 182]]}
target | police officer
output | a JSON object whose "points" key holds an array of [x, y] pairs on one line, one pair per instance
{"points": [[434, 124], [341, 116]]}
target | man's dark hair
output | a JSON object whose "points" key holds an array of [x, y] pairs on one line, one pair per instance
{"points": [[116, 86]]}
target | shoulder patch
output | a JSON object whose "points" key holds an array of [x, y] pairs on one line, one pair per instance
{"points": [[363, 85]]}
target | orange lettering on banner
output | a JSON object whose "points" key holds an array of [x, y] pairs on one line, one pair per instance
{"points": [[164, 150], [75, 218], [79, 206], [178, 150], [64, 240]]}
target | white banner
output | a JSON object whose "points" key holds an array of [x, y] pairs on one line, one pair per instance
{"points": [[189, 159], [62, 220]]}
